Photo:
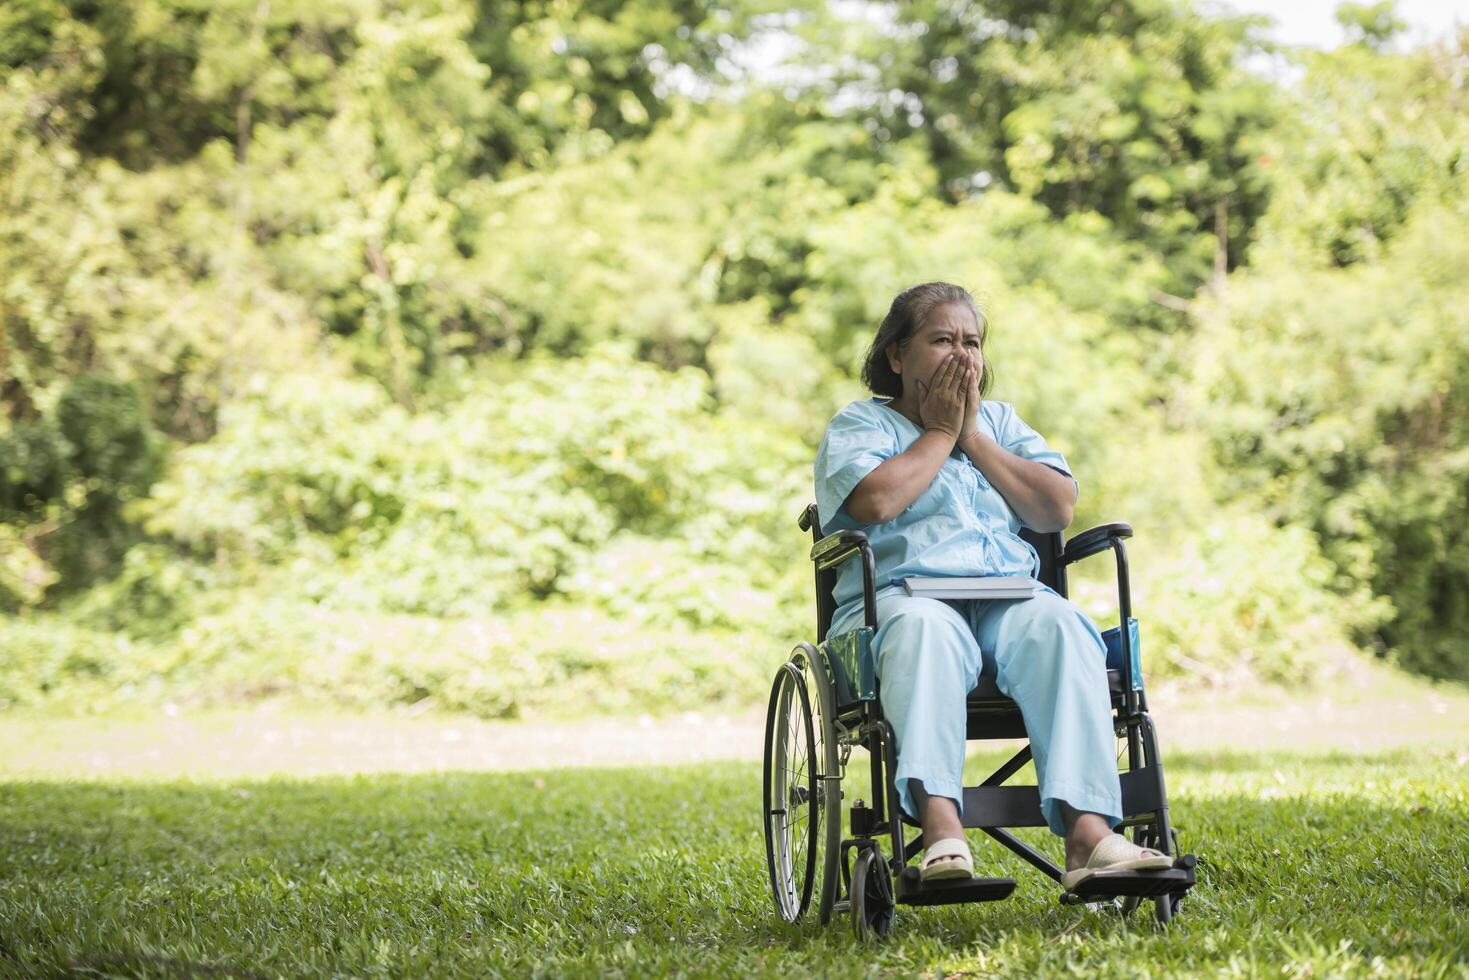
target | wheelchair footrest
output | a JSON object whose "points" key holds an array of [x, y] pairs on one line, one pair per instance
{"points": [[913, 890], [1140, 884]]}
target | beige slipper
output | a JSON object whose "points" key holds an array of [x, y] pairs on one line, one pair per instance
{"points": [[1116, 853], [948, 858]]}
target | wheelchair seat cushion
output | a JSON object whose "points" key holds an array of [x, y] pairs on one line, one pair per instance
{"points": [[987, 693]]}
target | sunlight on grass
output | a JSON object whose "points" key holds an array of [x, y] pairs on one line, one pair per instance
{"points": [[1310, 865]]}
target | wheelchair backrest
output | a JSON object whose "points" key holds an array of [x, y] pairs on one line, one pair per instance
{"points": [[1048, 546]]}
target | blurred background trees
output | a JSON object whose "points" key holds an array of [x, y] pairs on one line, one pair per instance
{"points": [[381, 351]]}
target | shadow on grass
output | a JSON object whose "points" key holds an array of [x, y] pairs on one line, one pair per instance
{"points": [[649, 870]]}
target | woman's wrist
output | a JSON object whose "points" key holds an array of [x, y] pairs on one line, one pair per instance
{"points": [[952, 438], [973, 444]]}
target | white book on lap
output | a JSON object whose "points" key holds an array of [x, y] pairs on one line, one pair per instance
{"points": [[976, 587]]}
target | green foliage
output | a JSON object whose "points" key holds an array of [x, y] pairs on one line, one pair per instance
{"points": [[1242, 600], [366, 319], [47, 660], [35, 467], [1371, 24], [109, 436], [1141, 112], [1330, 378], [1374, 136], [530, 539], [27, 28], [1362, 437], [65, 482], [303, 469], [152, 597], [24, 577]]}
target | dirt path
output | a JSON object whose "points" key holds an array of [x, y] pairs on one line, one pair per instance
{"points": [[272, 740]]}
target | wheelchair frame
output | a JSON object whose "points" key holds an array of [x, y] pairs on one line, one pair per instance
{"points": [[842, 672]]}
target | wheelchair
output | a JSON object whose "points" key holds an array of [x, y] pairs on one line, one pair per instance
{"points": [[826, 699]]}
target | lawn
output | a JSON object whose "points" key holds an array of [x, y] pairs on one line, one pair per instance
{"points": [[1310, 865]]}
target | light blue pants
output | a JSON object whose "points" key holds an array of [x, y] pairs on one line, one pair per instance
{"points": [[1043, 652]]}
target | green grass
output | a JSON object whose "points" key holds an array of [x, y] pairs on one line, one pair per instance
{"points": [[1310, 865]]}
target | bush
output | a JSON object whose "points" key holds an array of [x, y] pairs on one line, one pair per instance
{"points": [[555, 535], [33, 469], [1346, 413], [46, 660], [557, 660]]}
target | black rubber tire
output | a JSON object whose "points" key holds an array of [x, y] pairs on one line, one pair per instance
{"points": [[829, 797], [802, 826], [872, 896], [790, 789]]}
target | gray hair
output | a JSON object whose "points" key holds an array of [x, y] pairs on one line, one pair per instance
{"points": [[907, 314]]}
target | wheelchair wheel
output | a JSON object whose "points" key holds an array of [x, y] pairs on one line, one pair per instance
{"points": [[802, 793], [872, 896]]}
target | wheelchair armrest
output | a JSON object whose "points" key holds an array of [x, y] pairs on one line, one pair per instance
{"points": [[836, 548], [1087, 543], [1093, 540]]}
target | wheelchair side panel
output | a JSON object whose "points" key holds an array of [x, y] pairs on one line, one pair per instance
{"points": [[1117, 658], [854, 673]]}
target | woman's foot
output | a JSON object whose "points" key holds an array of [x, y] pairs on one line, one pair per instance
{"points": [[946, 849], [1115, 853], [1084, 832], [947, 859], [938, 815]]}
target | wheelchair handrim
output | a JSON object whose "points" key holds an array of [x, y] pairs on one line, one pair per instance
{"points": [[784, 853]]}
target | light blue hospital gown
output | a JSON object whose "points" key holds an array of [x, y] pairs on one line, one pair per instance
{"points": [[1043, 652]]}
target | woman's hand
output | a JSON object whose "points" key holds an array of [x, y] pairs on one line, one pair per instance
{"points": [[972, 401], [941, 402]]}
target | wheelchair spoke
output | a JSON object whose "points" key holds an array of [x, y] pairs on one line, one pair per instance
{"points": [[794, 777], [797, 733], [793, 792], [798, 773]]}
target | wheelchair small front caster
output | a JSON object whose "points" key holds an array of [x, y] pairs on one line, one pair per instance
{"points": [[871, 896]]}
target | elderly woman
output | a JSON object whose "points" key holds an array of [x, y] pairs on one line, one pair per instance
{"points": [[941, 481]]}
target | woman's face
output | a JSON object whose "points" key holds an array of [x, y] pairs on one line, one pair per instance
{"points": [[947, 328]]}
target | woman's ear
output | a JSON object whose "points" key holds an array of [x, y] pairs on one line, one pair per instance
{"points": [[895, 359]]}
